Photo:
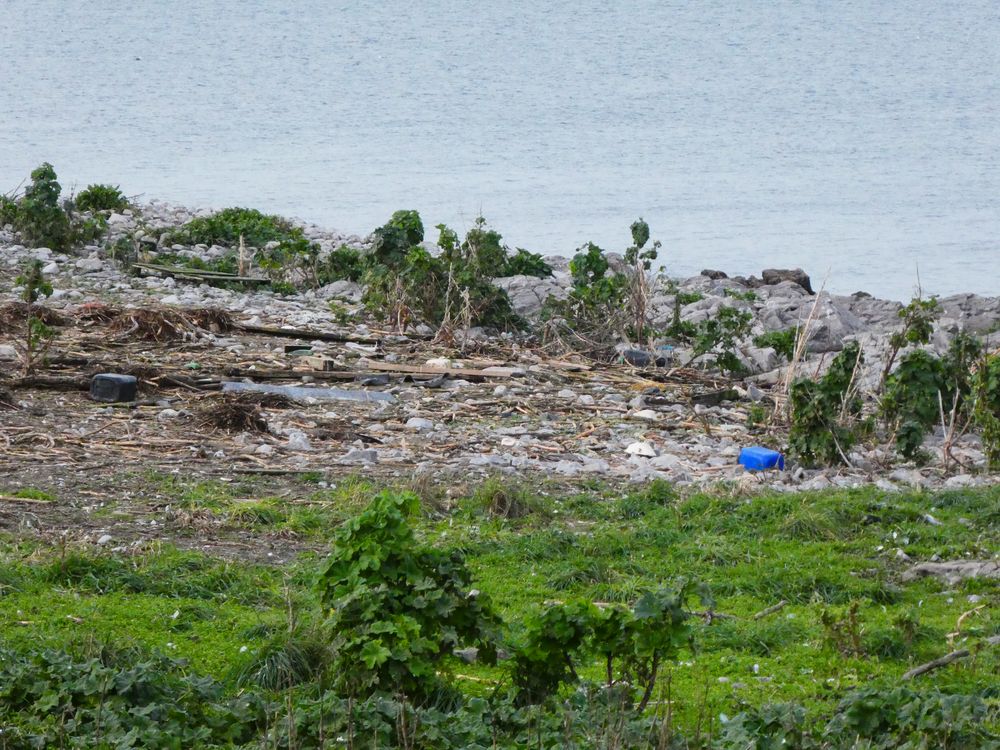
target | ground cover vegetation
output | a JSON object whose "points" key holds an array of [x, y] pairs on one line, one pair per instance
{"points": [[501, 615]]}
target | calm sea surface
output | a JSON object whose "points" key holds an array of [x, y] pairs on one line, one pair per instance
{"points": [[859, 140]]}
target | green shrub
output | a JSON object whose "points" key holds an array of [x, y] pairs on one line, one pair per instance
{"points": [[227, 226], [523, 263], [918, 324], [40, 219], [96, 198], [404, 282], [923, 386], [51, 699], [721, 336], [8, 210], [824, 410], [630, 644], [398, 609], [986, 407], [343, 263]]}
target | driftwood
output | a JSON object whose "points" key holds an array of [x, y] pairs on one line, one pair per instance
{"points": [[943, 661], [771, 610], [309, 334]]}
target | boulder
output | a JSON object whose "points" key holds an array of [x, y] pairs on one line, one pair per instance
{"points": [[772, 276], [975, 314], [528, 293]]}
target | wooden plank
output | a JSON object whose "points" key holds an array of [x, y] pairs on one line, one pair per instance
{"points": [[458, 372]]}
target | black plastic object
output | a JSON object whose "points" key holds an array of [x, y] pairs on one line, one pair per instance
{"points": [[112, 388], [639, 358]]}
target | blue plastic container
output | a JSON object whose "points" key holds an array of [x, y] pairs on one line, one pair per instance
{"points": [[756, 458]]}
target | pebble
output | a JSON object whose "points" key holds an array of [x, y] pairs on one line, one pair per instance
{"points": [[419, 424]]}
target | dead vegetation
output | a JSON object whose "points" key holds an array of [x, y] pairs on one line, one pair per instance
{"points": [[163, 324], [237, 412], [14, 316]]}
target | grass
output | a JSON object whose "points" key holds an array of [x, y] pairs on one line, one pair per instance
{"points": [[825, 554]]}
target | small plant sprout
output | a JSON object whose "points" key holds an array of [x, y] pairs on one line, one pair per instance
{"points": [[37, 336]]}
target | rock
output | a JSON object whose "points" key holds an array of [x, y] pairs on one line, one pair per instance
{"points": [[105, 539], [666, 462], [50, 269], [953, 572], [7, 353], [342, 289], [911, 477], [419, 424], [641, 449], [528, 293], [886, 486], [714, 275], [773, 276], [959, 480], [167, 414], [764, 360], [360, 456], [818, 482], [298, 441], [89, 265], [264, 450]]}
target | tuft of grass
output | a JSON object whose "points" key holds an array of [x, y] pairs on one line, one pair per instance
{"points": [[287, 660], [32, 493]]}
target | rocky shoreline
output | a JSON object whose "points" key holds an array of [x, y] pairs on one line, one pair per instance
{"points": [[634, 432]]}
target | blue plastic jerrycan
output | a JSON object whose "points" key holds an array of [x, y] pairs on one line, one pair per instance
{"points": [[756, 458]]}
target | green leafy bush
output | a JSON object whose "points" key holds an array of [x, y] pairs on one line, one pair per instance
{"points": [[631, 644], [343, 263], [823, 411], [37, 336], [524, 263], [405, 282], [986, 407], [398, 609], [40, 219], [96, 198], [227, 226], [721, 336], [918, 324], [923, 386], [8, 210]]}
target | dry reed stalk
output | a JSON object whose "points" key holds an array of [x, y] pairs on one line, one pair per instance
{"points": [[801, 340]]}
